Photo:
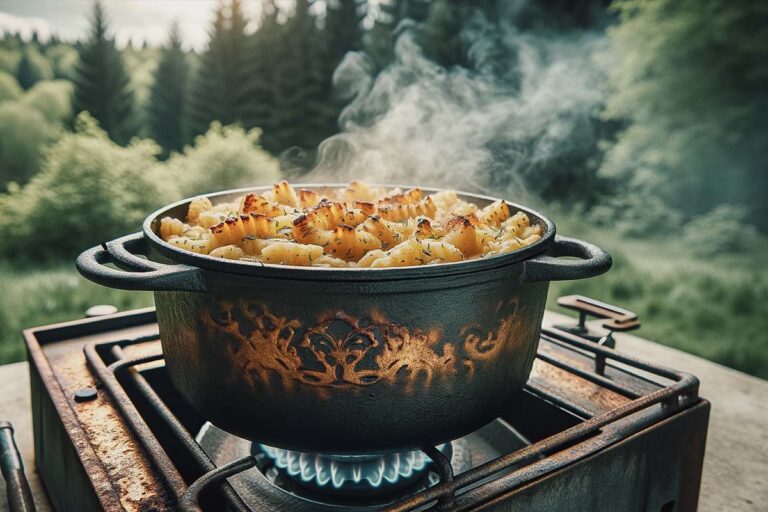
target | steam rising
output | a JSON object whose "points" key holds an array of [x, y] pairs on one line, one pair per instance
{"points": [[532, 97]]}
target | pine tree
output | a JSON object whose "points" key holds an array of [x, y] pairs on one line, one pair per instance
{"points": [[168, 95], [24, 73], [380, 39], [102, 85], [343, 29], [219, 85], [441, 33], [32, 68], [342, 33], [264, 53], [298, 85]]}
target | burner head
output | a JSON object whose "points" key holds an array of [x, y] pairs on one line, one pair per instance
{"points": [[354, 480], [350, 472], [328, 482]]}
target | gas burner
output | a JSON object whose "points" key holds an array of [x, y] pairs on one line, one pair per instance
{"points": [[348, 473], [357, 481]]}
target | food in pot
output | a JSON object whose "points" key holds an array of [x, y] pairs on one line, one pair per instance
{"points": [[356, 226]]}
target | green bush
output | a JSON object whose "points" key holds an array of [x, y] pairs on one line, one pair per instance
{"points": [[9, 60], [721, 231], [225, 157], [639, 211], [24, 134], [9, 87], [52, 98], [89, 190], [63, 58], [33, 67]]}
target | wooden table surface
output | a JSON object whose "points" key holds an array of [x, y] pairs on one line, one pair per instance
{"points": [[736, 461]]}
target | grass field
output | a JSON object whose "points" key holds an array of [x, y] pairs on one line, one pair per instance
{"points": [[54, 294], [716, 308]]}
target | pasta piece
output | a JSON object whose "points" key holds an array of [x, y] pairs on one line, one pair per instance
{"points": [[283, 193], [424, 229], [351, 244], [308, 198], [399, 212], [210, 218], [484, 238], [412, 252], [445, 199], [463, 208], [354, 217], [460, 232], [530, 231], [495, 213], [197, 206], [366, 208], [514, 226], [198, 246], [291, 253], [171, 227], [306, 231], [196, 232], [370, 257], [258, 204], [438, 250], [229, 252], [326, 215], [386, 232], [412, 196], [234, 229], [252, 245], [359, 191], [329, 261]]}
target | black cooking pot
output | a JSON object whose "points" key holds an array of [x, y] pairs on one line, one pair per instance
{"points": [[345, 360]]}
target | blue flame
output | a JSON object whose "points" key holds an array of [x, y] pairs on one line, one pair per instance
{"points": [[344, 470]]}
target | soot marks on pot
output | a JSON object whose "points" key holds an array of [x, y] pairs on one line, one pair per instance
{"points": [[346, 352]]}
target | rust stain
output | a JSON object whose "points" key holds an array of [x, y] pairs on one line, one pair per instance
{"points": [[480, 345], [131, 476], [577, 390], [341, 351]]}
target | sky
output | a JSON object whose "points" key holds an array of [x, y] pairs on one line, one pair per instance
{"points": [[135, 20]]}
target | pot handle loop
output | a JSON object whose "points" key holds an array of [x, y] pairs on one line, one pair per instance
{"points": [[134, 272], [591, 261]]}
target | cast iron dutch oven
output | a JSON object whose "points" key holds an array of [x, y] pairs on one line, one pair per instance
{"points": [[345, 360]]}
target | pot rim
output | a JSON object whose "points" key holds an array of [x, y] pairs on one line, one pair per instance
{"points": [[213, 263]]}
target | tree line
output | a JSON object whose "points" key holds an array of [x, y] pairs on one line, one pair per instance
{"points": [[684, 115], [277, 77]]}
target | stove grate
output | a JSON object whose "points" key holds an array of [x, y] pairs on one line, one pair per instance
{"points": [[452, 492]]}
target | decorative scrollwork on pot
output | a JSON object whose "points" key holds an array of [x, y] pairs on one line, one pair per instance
{"points": [[340, 351]]}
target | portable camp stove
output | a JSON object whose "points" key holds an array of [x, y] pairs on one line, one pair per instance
{"points": [[592, 430]]}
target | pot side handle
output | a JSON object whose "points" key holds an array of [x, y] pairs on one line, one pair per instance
{"points": [[592, 261], [134, 272]]}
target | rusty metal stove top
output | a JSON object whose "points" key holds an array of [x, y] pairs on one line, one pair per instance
{"points": [[602, 431]]}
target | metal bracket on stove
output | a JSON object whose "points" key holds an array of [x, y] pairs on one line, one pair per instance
{"points": [[616, 319]]}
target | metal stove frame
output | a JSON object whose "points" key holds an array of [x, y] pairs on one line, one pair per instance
{"points": [[486, 483]]}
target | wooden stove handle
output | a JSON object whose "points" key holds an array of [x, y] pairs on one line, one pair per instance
{"points": [[617, 319]]}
